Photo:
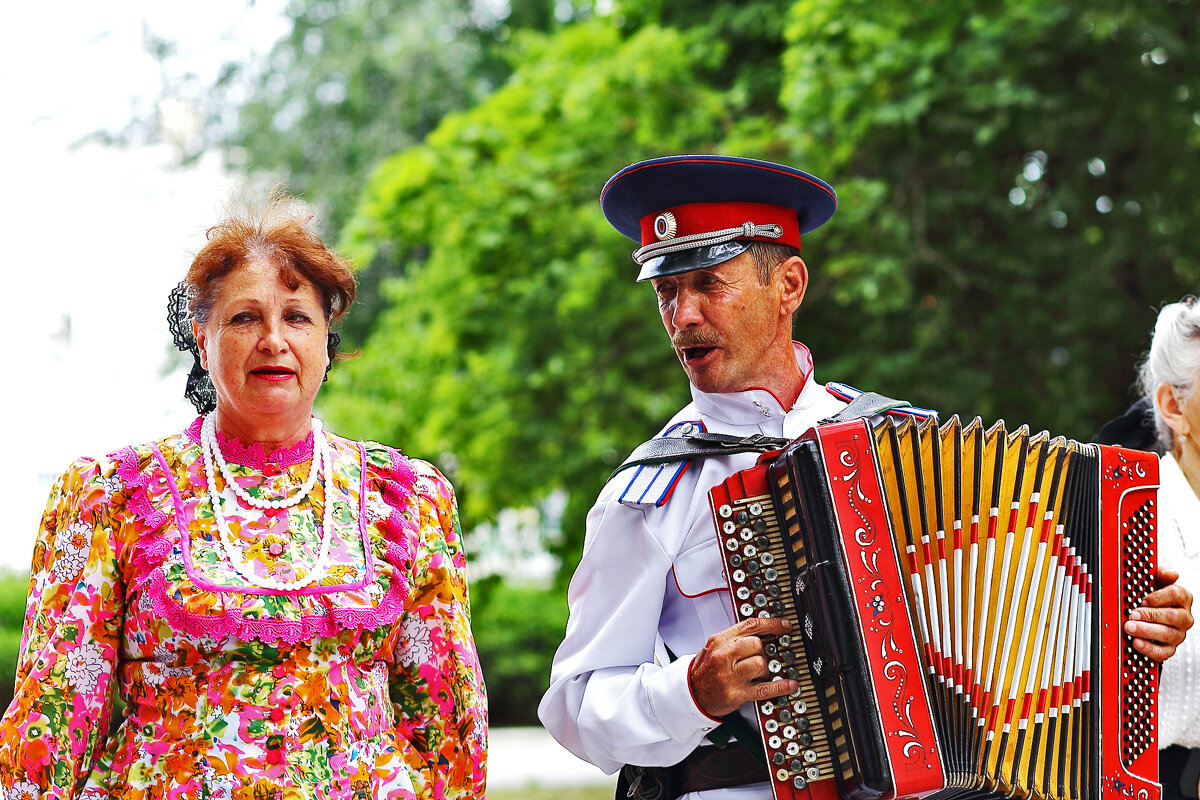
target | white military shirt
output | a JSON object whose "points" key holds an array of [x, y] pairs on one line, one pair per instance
{"points": [[653, 576]]}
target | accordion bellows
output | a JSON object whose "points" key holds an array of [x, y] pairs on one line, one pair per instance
{"points": [[957, 597]]}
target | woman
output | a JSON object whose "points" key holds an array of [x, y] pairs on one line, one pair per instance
{"points": [[1169, 379], [283, 611]]}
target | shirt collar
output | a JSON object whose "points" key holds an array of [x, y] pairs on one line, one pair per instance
{"points": [[756, 406]]}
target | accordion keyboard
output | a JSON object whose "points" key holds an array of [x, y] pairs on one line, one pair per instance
{"points": [[797, 742]]}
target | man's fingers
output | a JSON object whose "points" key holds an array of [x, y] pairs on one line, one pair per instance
{"points": [[1158, 652], [762, 626]]}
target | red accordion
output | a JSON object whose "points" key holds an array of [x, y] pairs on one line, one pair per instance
{"points": [[957, 598]]}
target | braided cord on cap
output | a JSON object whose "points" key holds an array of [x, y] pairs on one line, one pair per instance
{"points": [[747, 230]]}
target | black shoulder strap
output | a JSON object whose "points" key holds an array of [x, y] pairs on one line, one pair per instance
{"points": [[668, 449]]}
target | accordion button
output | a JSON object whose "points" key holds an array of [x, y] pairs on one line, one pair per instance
{"points": [[760, 525], [782, 775], [810, 756], [785, 716], [735, 561], [792, 749], [746, 534], [757, 582], [743, 593], [755, 508], [750, 551], [760, 600], [799, 782], [778, 759], [774, 590], [789, 657], [771, 726], [770, 573], [747, 610], [728, 528], [767, 559], [731, 544], [763, 542], [775, 666], [767, 707], [771, 650], [805, 738], [774, 743], [789, 732], [794, 674], [752, 567], [739, 576], [796, 765], [800, 707], [741, 518], [813, 773], [801, 722], [785, 641], [725, 511]]}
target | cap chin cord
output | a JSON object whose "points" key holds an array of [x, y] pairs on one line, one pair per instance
{"points": [[747, 230]]}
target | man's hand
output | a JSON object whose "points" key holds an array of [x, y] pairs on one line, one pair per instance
{"points": [[1159, 625], [730, 668]]}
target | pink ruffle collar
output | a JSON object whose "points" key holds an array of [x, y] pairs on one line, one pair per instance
{"points": [[255, 455], [397, 484]]}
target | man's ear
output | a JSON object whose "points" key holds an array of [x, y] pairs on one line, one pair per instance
{"points": [[793, 282], [1167, 402], [201, 342]]}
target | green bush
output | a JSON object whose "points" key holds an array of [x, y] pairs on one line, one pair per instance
{"points": [[517, 629], [13, 589]]}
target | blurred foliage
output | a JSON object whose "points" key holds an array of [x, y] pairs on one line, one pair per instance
{"points": [[13, 590], [516, 629], [1014, 198]]}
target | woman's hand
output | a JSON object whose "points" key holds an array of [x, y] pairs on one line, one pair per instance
{"points": [[1159, 625]]}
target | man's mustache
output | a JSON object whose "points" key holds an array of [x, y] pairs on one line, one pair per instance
{"points": [[707, 338]]}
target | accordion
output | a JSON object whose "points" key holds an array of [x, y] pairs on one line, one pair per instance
{"points": [[957, 597]]}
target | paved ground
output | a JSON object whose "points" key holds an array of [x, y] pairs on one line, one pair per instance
{"points": [[530, 757]]}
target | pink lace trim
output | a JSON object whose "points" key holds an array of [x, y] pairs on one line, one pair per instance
{"points": [[129, 470], [255, 455], [162, 537]]}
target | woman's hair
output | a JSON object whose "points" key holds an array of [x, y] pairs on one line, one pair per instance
{"points": [[1174, 359], [280, 234]]}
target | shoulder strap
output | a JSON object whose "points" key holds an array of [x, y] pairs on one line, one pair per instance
{"points": [[867, 404], [664, 450]]}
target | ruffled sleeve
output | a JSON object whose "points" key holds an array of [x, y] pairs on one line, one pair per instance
{"points": [[55, 727], [436, 684]]}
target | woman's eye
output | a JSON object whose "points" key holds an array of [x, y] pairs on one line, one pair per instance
{"points": [[298, 318], [244, 316]]}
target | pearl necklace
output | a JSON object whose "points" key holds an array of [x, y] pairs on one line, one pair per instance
{"points": [[211, 450], [320, 451]]}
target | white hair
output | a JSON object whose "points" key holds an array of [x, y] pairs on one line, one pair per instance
{"points": [[1174, 359]]}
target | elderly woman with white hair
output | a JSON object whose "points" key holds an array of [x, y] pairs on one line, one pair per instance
{"points": [[1170, 378]]}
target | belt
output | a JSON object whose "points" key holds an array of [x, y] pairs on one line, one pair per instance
{"points": [[704, 768]]}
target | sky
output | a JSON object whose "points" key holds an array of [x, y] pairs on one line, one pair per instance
{"points": [[95, 236]]}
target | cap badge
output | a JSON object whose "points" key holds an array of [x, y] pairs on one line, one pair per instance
{"points": [[665, 226]]}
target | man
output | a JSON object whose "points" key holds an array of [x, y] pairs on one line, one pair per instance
{"points": [[651, 660]]}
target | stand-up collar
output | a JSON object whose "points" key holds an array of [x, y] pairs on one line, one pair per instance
{"points": [[756, 406]]}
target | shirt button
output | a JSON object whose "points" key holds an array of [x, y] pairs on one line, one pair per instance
{"points": [[279, 670], [276, 714]]}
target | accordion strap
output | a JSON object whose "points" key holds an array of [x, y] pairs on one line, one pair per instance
{"points": [[670, 449], [867, 404]]}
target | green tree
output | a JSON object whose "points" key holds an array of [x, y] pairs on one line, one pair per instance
{"points": [[1014, 192], [517, 352], [1015, 188]]}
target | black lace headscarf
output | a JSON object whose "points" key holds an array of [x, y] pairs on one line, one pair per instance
{"points": [[200, 390]]}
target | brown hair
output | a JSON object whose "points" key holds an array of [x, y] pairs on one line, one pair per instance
{"points": [[282, 235]]}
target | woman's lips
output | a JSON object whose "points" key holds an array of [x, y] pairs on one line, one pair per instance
{"points": [[273, 373]]}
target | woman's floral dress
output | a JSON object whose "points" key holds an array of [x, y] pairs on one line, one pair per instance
{"points": [[364, 685]]}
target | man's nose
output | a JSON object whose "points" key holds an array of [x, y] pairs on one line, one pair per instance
{"points": [[686, 313]]}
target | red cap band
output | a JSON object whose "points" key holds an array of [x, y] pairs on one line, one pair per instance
{"points": [[704, 218]]}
